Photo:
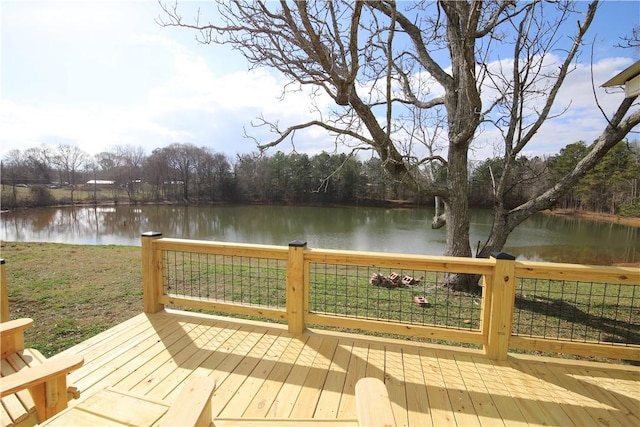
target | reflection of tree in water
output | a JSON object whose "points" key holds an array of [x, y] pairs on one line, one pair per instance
{"points": [[39, 219]]}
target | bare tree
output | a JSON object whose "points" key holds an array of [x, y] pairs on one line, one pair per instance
{"points": [[129, 175], [69, 159], [369, 57], [39, 162]]}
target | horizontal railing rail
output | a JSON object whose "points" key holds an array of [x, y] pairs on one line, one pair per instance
{"points": [[523, 305]]}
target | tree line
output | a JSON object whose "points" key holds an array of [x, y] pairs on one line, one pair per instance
{"points": [[185, 173]]}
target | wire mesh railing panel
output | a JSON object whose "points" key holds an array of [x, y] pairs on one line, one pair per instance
{"points": [[225, 278], [577, 311], [416, 297]]}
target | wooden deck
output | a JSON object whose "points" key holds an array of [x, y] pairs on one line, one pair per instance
{"points": [[261, 371]]}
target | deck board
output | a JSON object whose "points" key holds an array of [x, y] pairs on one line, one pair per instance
{"points": [[307, 400], [263, 372]]}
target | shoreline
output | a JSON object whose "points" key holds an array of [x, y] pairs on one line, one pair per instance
{"points": [[595, 216]]}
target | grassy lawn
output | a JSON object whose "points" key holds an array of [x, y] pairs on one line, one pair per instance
{"points": [[81, 195], [71, 292]]}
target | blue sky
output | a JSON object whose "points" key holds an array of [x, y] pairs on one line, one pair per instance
{"points": [[101, 73]]}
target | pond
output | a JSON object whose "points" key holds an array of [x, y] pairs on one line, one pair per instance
{"points": [[542, 237]]}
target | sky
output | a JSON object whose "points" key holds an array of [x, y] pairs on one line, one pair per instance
{"points": [[96, 74]]}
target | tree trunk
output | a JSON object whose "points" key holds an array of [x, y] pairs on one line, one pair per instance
{"points": [[498, 235], [457, 217]]}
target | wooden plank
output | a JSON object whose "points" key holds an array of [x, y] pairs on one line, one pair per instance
{"points": [[123, 408], [295, 289], [578, 272], [53, 368], [430, 332], [307, 401], [461, 403], [497, 389], [80, 418], [222, 362], [571, 399], [193, 405], [13, 364], [151, 272], [224, 307], [293, 384], [576, 348], [127, 358], [4, 294], [266, 395], [401, 261], [238, 404], [373, 405], [439, 404], [525, 395], [375, 361], [142, 368], [356, 371], [605, 399], [223, 248], [218, 338], [5, 419], [329, 401], [520, 394], [12, 335], [245, 359], [282, 422], [501, 307], [98, 356], [623, 386], [416, 392], [394, 380], [185, 348], [14, 408], [484, 406], [543, 392]]}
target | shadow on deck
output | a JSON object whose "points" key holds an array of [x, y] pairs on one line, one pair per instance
{"points": [[262, 371]]}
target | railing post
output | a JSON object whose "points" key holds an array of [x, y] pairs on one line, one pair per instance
{"points": [[151, 274], [502, 297], [4, 295], [295, 287]]}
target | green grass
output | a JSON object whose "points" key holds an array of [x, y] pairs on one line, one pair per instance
{"points": [[72, 292], [578, 311]]}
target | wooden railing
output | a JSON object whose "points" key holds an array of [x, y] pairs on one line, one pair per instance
{"points": [[4, 297], [499, 277]]}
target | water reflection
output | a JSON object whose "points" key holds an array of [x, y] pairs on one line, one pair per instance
{"points": [[542, 237]]}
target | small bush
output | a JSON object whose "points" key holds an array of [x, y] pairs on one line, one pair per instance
{"points": [[8, 200], [631, 210], [41, 196]]}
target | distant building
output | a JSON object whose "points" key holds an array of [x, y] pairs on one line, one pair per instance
{"points": [[100, 182]]}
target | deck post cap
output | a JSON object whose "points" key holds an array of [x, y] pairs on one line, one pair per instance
{"points": [[298, 244], [151, 234], [503, 255]]}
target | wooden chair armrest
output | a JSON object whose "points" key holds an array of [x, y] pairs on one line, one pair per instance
{"points": [[16, 324], [372, 403], [40, 374], [192, 406], [12, 335]]}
